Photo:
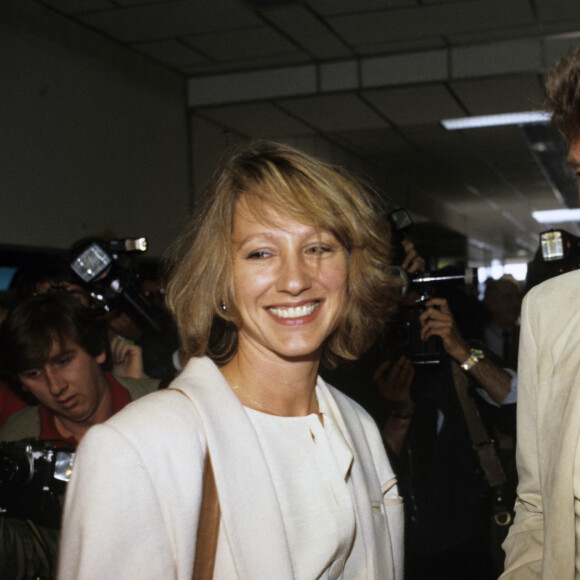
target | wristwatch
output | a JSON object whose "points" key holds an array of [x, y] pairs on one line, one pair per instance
{"points": [[475, 356]]}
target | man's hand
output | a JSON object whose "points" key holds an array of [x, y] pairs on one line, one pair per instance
{"points": [[437, 320], [412, 262], [395, 383], [127, 358]]}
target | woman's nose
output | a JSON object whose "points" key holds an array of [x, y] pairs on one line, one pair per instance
{"points": [[294, 276]]}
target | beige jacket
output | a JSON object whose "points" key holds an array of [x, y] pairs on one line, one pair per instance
{"points": [[542, 541], [132, 505]]}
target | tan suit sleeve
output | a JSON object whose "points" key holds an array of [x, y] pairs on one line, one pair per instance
{"points": [[524, 544]]}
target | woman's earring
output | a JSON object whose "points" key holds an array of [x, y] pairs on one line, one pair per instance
{"points": [[224, 307]]}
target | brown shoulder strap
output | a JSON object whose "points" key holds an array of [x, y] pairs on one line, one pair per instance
{"points": [[480, 440], [209, 520], [208, 528]]}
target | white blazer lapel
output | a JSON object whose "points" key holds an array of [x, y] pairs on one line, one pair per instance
{"points": [[250, 510], [368, 493]]}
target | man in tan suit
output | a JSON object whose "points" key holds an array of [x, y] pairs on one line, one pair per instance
{"points": [[544, 541]]}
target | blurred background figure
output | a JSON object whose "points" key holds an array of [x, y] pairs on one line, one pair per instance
{"points": [[408, 383], [503, 299]]}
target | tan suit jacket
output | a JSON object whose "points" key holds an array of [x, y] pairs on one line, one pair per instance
{"points": [[542, 541]]}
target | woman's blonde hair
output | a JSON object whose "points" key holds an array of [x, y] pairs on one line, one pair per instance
{"points": [[200, 291]]}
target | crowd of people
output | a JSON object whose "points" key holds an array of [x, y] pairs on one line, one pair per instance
{"points": [[282, 405], [65, 366], [69, 364]]}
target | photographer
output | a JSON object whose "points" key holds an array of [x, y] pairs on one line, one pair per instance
{"points": [[122, 285], [53, 349], [448, 502]]}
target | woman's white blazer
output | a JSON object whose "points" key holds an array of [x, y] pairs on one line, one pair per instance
{"points": [[132, 505]]}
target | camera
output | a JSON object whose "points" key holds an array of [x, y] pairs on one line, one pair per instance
{"points": [[33, 477], [560, 250], [102, 266], [558, 253], [405, 331]]}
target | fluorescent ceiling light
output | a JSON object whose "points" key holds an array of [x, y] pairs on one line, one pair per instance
{"points": [[496, 120], [554, 216]]}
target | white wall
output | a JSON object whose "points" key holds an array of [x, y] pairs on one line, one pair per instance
{"points": [[93, 139]]}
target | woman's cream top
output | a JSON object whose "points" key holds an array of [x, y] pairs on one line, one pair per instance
{"points": [[310, 465]]}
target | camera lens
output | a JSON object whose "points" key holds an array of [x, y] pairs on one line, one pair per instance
{"points": [[14, 470]]}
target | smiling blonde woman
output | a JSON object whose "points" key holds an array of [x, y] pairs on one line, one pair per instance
{"points": [[284, 267]]}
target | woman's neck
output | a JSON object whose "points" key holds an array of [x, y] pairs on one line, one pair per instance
{"points": [[276, 386]]}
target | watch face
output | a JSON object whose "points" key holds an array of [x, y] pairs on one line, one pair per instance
{"points": [[475, 356]]}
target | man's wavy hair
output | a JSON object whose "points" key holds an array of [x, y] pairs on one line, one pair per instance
{"points": [[36, 323], [562, 95], [200, 290]]}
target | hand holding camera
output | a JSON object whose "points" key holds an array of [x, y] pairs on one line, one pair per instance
{"points": [[437, 320]]}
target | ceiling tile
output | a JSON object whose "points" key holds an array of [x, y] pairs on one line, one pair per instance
{"points": [[256, 120], [330, 7], [381, 145], [246, 65], [139, 2], [484, 36], [415, 105], [441, 1], [309, 32], [242, 44], [506, 57], [430, 21], [557, 9], [557, 46], [340, 112], [500, 94], [160, 21], [402, 46], [78, 6], [171, 52]]}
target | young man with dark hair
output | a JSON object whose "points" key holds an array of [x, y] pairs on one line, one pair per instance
{"points": [[55, 350], [544, 541]]}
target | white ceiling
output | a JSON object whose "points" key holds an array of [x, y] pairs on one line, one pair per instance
{"points": [[376, 77]]}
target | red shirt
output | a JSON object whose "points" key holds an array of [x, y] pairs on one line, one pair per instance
{"points": [[119, 398]]}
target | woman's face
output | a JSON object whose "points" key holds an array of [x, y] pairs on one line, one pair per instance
{"points": [[290, 283]]}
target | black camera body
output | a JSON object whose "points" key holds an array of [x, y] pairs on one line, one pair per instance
{"points": [[33, 478], [101, 265], [405, 331]]}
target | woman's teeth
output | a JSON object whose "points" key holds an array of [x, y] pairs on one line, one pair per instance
{"points": [[295, 311]]}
